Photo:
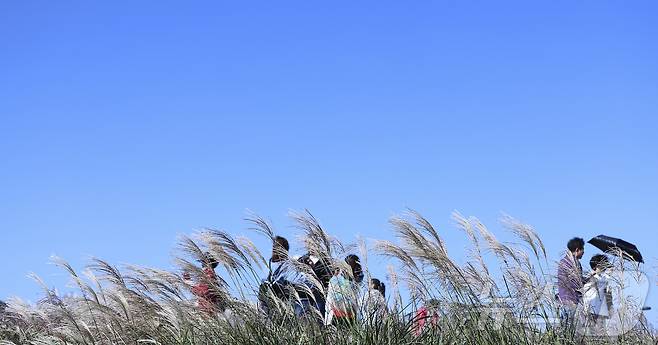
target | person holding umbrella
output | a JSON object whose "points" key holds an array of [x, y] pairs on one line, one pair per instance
{"points": [[623, 288], [570, 278]]}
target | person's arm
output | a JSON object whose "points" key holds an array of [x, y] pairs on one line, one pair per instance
{"points": [[355, 298], [329, 304], [608, 297], [566, 290], [384, 305], [271, 273], [364, 303], [560, 278]]}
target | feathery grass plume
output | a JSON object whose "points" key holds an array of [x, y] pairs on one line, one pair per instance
{"points": [[89, 295], [249, 248], [500, 250], [231, 255], [431, 253], [162, 284], [393, 279], [520, 279], [226, 250], [419, 284], [191, 248], [363, 256], [391, 250], [475, 252], [413, 276], [526, 233], [60, 316], [260, 225], [315, 239], [141, 299], [477, 273], [24, 321], [329, 251], [515, 264], [118, 292], [529, 236], [427, 227]]}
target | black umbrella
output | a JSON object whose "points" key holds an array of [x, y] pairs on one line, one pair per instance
{"points": [[607, 243]]}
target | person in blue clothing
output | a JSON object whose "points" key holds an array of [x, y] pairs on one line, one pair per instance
{"points": [[275, 286], [286, 282]]}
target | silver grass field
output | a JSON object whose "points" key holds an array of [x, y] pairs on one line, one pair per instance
{"points": [[502, 294]]}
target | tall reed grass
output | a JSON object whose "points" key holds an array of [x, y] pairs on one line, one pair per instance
{"points": [[502, 294]]}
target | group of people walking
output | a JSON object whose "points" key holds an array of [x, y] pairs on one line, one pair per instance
{"points": [[317, 289], [332, 294], [313, 287]]}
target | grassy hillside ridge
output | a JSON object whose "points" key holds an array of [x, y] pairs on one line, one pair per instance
{"points": [[510, 301]]}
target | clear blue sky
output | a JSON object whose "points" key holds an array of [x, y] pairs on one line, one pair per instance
{"points": [[126, 124]]}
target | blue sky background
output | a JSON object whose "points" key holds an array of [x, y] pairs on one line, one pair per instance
{"points": [[127, 124]]}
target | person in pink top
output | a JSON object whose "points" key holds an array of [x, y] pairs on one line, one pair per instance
{"points": [[426, 316], [206, 289]]}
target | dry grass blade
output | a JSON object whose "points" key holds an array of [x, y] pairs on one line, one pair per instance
{"points": [[260, 225], [391, 250], [315, 239], [526, 233]]}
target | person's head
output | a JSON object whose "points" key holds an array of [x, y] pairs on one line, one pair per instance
{"points": [[376, 284], [306, 259], [599, 262], [280, 248], [209, 261], [576, 246], [354, 262], [432, 304]]}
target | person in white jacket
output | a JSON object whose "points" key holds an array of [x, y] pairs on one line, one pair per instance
{"points": [[373, 303], [597, 296]]}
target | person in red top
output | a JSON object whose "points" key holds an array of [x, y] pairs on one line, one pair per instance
{"points": [[206, 289], [427, 315]]}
